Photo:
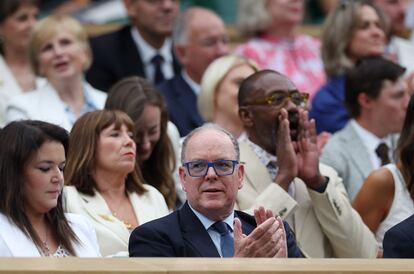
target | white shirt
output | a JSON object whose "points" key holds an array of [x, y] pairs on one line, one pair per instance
{"points": [[214, 235], [371, 142], [147, 52]]}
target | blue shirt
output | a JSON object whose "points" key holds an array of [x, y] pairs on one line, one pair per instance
{"points": [[328, 106]]}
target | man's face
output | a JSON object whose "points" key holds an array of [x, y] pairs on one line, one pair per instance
{"points": [[206, 40], [391, 105], [395, 10], [213, 196], [154, 17], [263, 118]]}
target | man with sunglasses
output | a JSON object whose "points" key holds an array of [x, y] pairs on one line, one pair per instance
{"points": [[282, 171], [207, 224]]}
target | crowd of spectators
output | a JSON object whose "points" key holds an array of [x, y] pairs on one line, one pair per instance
{"points": [[164, 139]]}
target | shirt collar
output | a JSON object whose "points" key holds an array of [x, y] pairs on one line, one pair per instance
{"points": [[147, 51], [264, 156], [370, 140], [194, 86], [207, 223]]}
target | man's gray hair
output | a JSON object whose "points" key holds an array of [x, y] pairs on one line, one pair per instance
{"points": [[214, 127]]}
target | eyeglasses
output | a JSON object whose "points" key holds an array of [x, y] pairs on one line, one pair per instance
{"points": [[200, 168], [279, 99]]}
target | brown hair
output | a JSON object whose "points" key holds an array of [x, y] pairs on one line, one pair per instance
{"points": [[131, 95], [83, 144], [19, 141], [405, 148]]}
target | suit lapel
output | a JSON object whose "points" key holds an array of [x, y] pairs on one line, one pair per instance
{"points": [[188, 100], [255, 171], [131, 54], [98, 210], [195, 235], [303, 208], [358, 151]]}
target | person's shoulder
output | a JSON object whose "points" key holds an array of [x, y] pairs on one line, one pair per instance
{"points": [[113, 36]]}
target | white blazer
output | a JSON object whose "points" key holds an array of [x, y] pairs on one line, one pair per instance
{"points": [[113, 236], [10, 88], [14, 243], [44, 104]]}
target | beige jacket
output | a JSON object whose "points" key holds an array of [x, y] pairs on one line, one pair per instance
{"points": [[325, 224]]}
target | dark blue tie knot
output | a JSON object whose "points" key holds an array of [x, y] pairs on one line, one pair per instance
{"points": [[221, 227], [157, 59]]}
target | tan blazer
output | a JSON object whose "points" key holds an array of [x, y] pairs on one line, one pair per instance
{"points": [[325, 224], [112, 234]]}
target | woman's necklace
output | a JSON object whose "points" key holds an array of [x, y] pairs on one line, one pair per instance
{"points": [[127, 224], [45, 249]]}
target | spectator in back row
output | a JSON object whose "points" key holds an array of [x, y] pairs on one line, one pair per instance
{"points": [[143, 48], [32, 221], [17, 19], [376, 97], [156, 154], [199, 38], [282, 173], [276, 44], [355, 29], [59, 51], [104, 181], [220, 85], [387, 195]]}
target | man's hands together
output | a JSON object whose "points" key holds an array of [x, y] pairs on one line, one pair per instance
{"points": [[298, 158], [267, 240]]}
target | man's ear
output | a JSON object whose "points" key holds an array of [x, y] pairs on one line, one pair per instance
{"points": [[128, 7], [183, 175], [246, 116], [240, 175], [364, 100], [181, 53]]}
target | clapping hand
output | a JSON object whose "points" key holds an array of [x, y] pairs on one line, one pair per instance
{"points": [[268, 239]]}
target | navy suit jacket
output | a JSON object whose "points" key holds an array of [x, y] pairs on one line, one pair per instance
{"points": [[399, 240], [182, 104], [115, 56], [181, 234]]}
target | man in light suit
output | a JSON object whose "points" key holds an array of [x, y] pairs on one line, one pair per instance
{"points": [[199, 38], [282, 171], [399, 240], [130, 50], [376, 98], [211, 175]]}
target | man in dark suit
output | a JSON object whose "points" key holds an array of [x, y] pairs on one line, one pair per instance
{"points": [[211, 176], [399, 240], [142, 48], [199, 38]]}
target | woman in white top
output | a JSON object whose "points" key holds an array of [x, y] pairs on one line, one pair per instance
{"points": [[387, 195], [60, 52], [17, 19], [32, 222], [104, 180]]}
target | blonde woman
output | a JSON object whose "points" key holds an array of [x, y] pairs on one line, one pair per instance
{"points": [[220, 84], [59, 51]]}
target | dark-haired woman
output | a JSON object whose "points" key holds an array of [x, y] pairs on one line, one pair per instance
{"points": [[32, 222], [155, 152], [104, 182], [387, 195]]}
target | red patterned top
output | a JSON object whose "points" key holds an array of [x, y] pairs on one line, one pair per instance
{"points": [[298, 58]]}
